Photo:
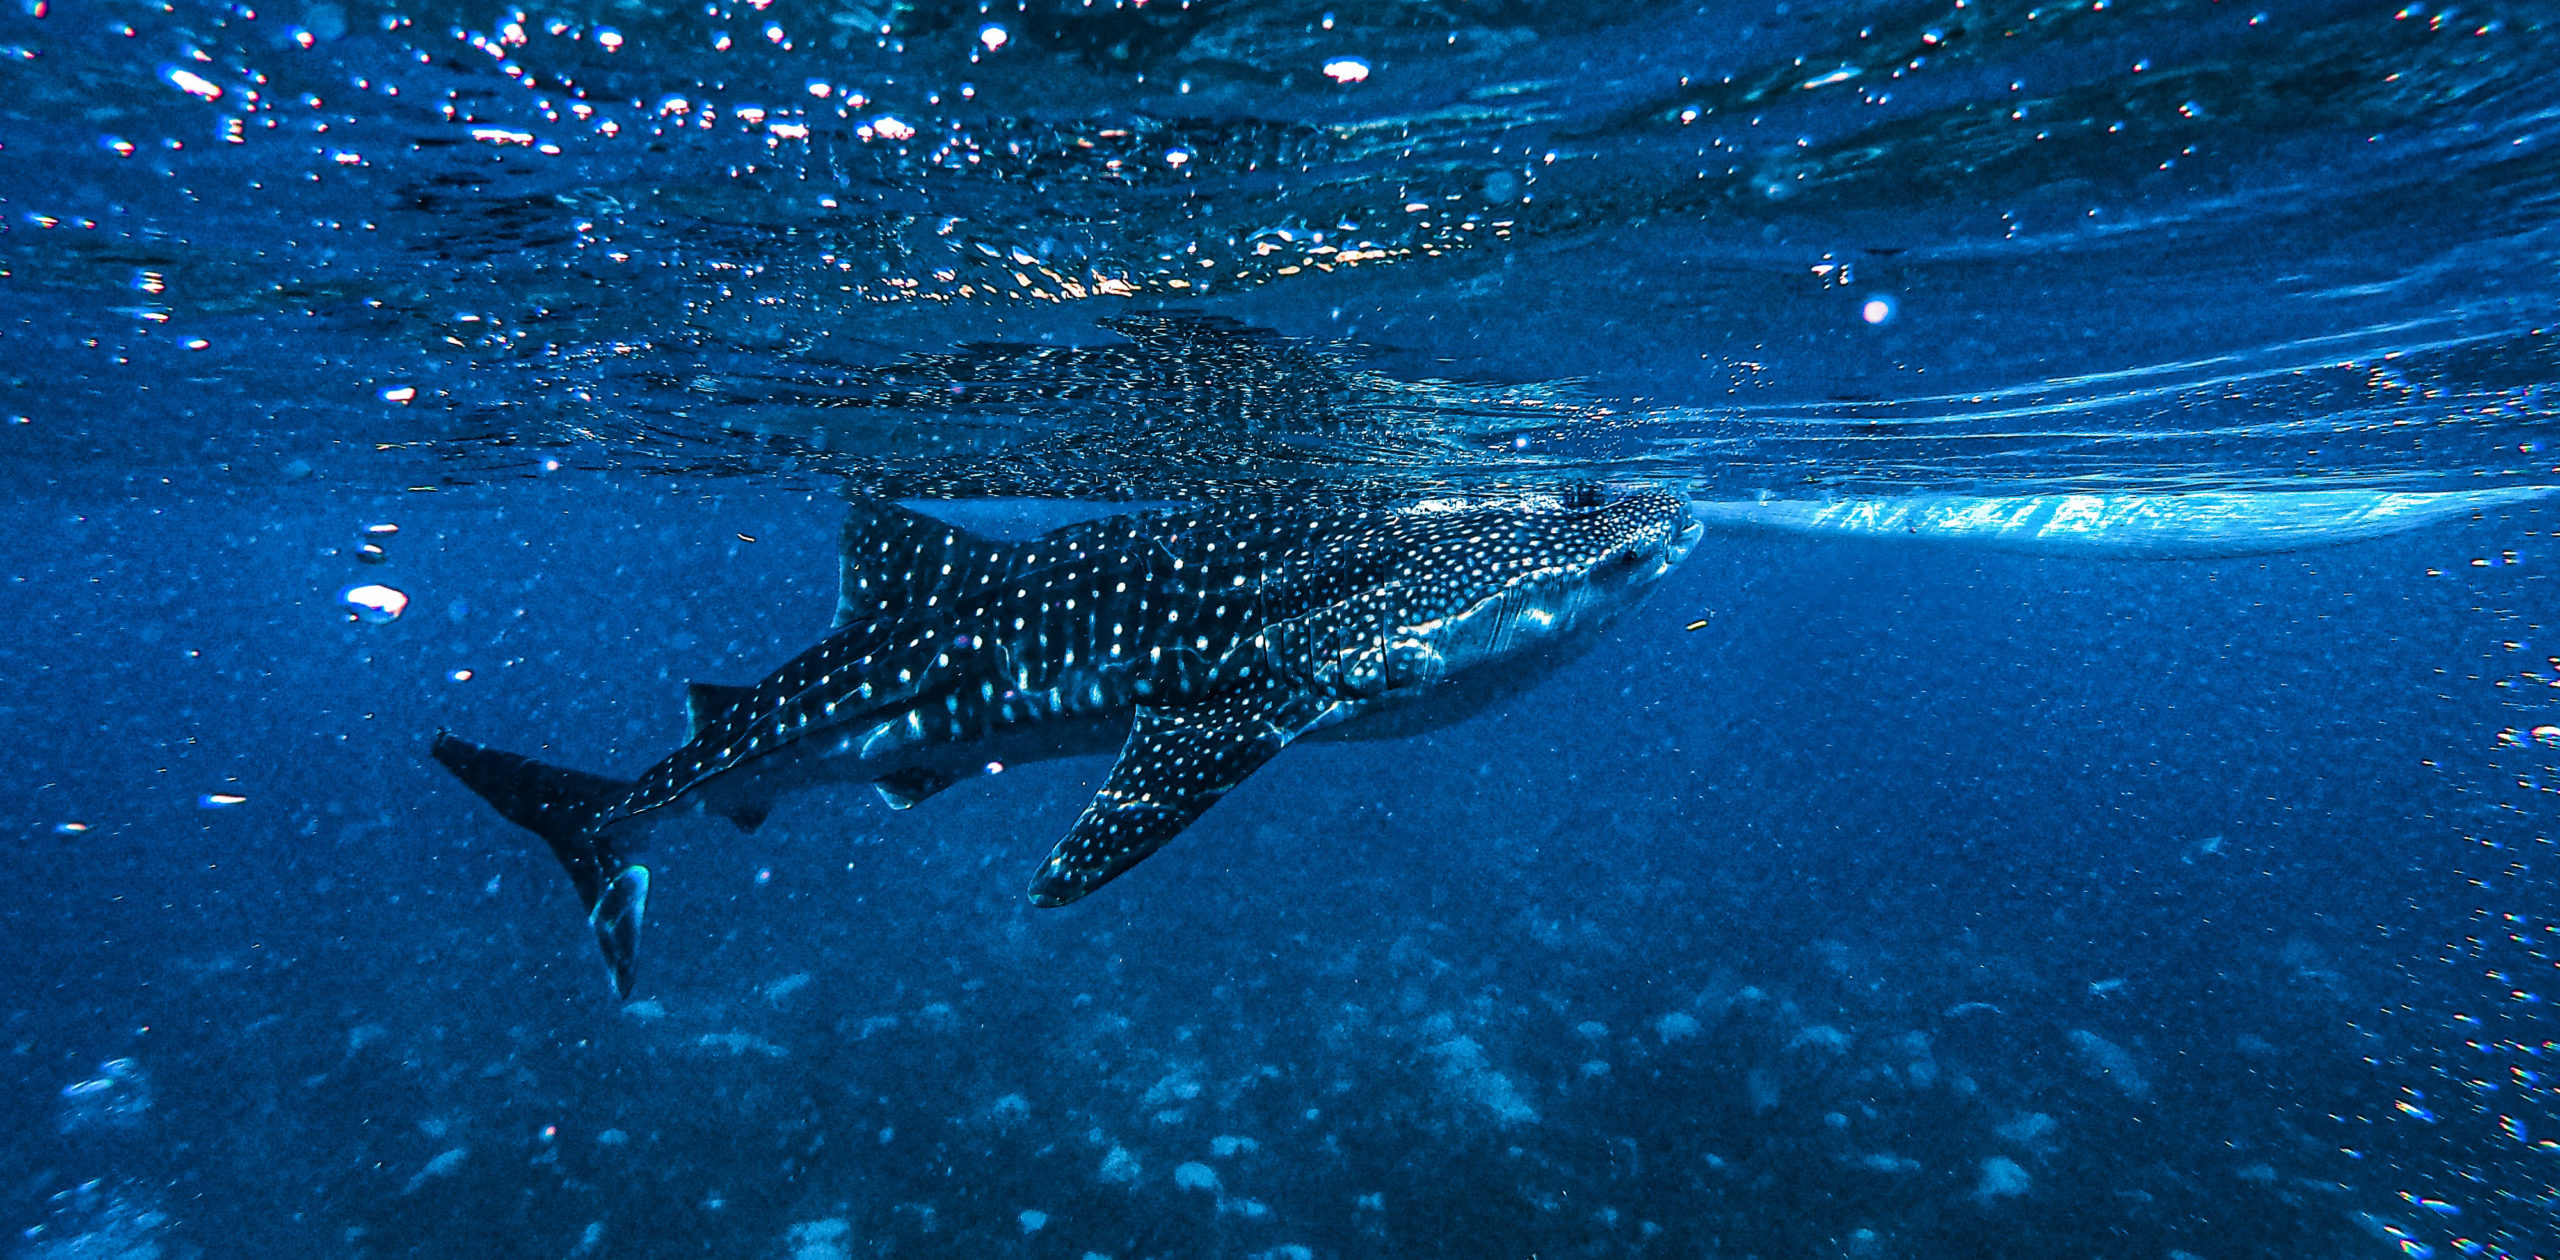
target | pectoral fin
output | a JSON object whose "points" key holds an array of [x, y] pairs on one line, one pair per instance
{"points": [[1176, 764]]}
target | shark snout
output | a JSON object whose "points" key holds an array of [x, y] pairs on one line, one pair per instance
{"points": [[1683, 543]]}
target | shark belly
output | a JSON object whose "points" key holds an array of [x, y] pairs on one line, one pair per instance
{"points": [[905, 772], [1449, 701]]}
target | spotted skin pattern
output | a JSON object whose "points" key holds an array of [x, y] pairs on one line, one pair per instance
{"points": [[1178, 762], [1223, 633]]}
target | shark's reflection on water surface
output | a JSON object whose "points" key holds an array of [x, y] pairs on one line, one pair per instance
{"points": [[1198, 641]]}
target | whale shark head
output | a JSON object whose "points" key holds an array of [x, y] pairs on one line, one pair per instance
{"points": [[1515, 583]]}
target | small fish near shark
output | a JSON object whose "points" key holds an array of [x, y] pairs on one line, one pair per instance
{"points": [[1199, 642]]}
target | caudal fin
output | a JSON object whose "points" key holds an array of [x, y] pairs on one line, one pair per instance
{"points": [[562, 807]]}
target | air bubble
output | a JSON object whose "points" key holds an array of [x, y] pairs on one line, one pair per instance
{"points": [[117, 1097], [376, 604]]}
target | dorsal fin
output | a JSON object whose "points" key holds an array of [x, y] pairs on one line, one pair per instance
{"points": [[898, 563], [705, 702]]}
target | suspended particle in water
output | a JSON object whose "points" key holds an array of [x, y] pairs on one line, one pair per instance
{"points": [[1877, 309], [1346, 70], [992, 36], [399, 393], [376, 604], [368, 553], [221, 800]]}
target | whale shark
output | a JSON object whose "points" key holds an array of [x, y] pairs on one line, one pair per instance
{"points": [[1199, 642]]}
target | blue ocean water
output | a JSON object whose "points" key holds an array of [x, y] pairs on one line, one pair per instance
{"points": [[2176, 889]]}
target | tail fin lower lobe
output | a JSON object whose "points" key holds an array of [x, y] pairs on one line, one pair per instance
{"points": [[562, 807]]}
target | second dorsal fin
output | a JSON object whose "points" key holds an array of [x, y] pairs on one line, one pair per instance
{"points": [[705, 702]]}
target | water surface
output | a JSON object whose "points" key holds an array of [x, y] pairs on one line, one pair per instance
{"points": [[1929, 900]]}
